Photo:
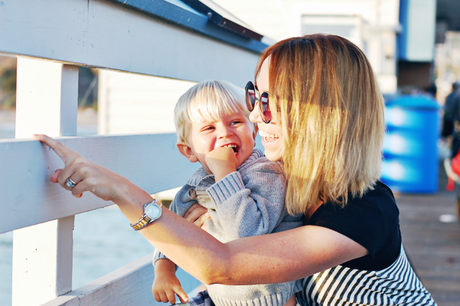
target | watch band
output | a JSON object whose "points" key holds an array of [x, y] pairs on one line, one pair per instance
{"points": [[145, 219], [141, 223]]}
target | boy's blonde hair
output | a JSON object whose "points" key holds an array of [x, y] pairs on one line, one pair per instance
{"points": [[207, 101], [332, 117]]}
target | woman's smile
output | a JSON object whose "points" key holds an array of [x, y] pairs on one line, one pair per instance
{"points": [[267, 137], [271, 133]]}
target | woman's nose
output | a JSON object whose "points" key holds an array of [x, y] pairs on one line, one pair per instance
{"points": [[254, 116]]}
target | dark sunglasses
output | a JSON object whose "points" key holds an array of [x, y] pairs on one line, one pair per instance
{"points": [[252, 95]]}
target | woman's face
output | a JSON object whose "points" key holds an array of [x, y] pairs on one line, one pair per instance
{"points": [[271, 133]]}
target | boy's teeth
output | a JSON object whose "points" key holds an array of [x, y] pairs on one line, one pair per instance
{"points": [[234, 147]]}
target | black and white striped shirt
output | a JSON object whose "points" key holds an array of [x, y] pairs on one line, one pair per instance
{"points": [[384, 276], [395, 285]]}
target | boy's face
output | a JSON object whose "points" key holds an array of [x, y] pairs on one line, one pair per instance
{"points": [[233, 130]]}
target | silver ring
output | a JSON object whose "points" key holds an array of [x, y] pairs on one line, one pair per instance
{"points": [[69, 183]]}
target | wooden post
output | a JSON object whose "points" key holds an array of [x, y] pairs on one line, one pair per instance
{"points": [[47, 102]]}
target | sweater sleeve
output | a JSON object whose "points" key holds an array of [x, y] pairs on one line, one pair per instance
{"points": [[250, 204]]}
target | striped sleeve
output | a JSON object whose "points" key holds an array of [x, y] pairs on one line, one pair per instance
{"points": [[396, 285]]}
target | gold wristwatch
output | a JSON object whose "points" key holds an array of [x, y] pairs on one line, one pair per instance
{"points": [[152, 211]]}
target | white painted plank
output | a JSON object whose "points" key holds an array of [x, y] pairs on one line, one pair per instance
{"points": [[47, 98], [120, 287], [130, 103], [129, 285], [150, 161], [107, 35], [42, 262], [64, 300], [42, 254]]}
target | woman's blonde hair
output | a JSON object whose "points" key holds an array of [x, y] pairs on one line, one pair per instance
{"points": [[332, 117], [207, 101]]}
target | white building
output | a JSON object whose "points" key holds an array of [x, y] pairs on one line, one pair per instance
{"points": [[370, 24], [396, 35]]}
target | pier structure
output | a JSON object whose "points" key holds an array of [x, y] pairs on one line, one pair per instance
{"points": [[51, 39]]}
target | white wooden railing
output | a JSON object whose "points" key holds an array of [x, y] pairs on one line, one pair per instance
{"points": [[50, 39]]}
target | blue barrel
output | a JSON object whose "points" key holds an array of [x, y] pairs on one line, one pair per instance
{"points": [[410, 155]]}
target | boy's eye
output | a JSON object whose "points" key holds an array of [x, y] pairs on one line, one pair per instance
{"points": [[207, 128], [236, 122]]}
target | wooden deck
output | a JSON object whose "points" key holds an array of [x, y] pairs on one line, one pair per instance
{"points": [[433, 246]]}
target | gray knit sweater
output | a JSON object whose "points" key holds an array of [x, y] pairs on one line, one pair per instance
{"points": [[247, 202]]}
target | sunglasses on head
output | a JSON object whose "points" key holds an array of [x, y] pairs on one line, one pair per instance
{"points": [[252, 95]]}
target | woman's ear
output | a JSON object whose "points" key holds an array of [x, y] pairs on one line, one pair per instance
{"points": [[187, 151]]}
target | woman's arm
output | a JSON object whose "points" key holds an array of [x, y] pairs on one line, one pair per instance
{"points": [[272, 258]]}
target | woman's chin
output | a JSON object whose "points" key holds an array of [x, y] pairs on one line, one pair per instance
{"points": [[273, 149]]}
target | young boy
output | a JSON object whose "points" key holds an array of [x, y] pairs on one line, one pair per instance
{"points": [[242, 190]]}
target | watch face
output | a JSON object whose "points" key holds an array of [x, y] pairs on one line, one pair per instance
{"points": [[153, 211]]}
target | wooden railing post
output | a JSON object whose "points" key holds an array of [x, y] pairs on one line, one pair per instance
{"points": [[47, 102]]}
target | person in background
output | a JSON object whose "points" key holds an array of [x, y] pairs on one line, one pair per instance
{"points": [[451, 111]]}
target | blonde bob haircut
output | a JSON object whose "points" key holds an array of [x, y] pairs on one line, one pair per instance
{"points": [[207, 101], [332, 117]]}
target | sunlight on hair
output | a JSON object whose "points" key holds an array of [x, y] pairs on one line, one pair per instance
{"points": [[207, 101], [210, 105], [333, 123]]}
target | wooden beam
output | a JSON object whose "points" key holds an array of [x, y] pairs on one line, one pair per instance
{"points": [[108, 35], [47, 98], [129, 285], [151, 161]]}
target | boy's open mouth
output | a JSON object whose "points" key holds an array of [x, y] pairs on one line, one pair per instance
{"points": [[233, 146]]}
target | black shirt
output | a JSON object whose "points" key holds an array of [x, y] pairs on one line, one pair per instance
{"points": [[372, 221]]}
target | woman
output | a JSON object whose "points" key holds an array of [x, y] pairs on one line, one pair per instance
{"points": [[321, 113]]}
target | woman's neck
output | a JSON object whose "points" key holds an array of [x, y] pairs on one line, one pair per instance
{"points": [[312, 210]]}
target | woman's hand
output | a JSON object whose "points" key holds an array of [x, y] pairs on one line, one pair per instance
{"points": [[198, 215], [86, 175]]}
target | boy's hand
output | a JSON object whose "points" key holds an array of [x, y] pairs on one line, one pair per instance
{"points": [[166, 285], [197, 214], [165, 288], [221, 161]]}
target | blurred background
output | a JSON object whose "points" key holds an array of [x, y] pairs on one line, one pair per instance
{"points": [[414, 49], [413, 46]]}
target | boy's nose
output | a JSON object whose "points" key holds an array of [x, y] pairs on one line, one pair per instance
{"points": [[225, 132]]}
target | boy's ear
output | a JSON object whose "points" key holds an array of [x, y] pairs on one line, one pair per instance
{"points": [[187, 152]]}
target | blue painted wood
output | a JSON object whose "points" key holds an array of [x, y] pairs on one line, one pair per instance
{"points": [[187, 17], [222, 18]]}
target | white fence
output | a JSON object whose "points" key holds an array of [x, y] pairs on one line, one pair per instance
{"points": [[51, 38]]}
